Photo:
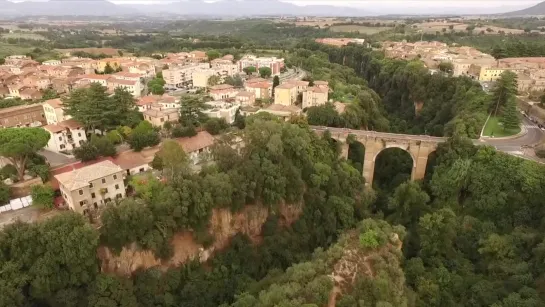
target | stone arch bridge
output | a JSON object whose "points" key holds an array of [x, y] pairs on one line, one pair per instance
{"points": [[418, 146]]}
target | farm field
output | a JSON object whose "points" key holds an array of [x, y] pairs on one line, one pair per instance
{"points": [[24, 35], [432, 27], [8, 49], [358, 28]]}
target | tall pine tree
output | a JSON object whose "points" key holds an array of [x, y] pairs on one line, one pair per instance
{"points": [[510, 117]]}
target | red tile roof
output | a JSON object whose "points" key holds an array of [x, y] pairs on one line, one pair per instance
{"points": [[55, 103]]}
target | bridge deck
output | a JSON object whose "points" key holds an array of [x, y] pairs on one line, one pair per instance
{"points": [[385, 135]]}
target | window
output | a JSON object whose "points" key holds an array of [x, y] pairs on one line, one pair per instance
{"points": [[162, 119], [81, 203], [118, 195], [141, 170], [93, 195], [90, 184], [60, 138], [115, 177], [105, 190], [80, 192], [62, 146], [103, 180], [79, 134], [117, 186]]}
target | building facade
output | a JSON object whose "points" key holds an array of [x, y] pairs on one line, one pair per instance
{"points": [[22, 116], [65, 136], [91, 186]]}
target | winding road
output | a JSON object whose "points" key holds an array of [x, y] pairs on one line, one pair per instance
{"points": [[533, 136]]}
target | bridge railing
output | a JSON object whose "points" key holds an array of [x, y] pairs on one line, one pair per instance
{"points": [[385, 135]]}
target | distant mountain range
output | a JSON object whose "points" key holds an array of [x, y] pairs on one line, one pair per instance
{"points": [[218, 8], [538, 9], [185, 7]]}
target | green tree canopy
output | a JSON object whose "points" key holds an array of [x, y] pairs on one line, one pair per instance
{"points": [[19, 144]]}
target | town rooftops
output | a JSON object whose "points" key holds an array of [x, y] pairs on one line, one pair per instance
{"points": [[317, 89], [221, 87], [288, 85], [148, 100], [264, 84], [80, 178], [130, 159], [127, 74], [55, 103], [255, 80], [96, 77], [123, 82]]}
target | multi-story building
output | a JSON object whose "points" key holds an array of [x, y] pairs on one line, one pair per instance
{"points": [[52, 62], [245, 98], [224, 67], [223, 91], [22, 116], [53, 111], [285, 94], [91, 186], [222, 109], [273, 63], [65, 135], [316, 95], [158, 116], [201, 77], [102, 79], [182, 76], [260, 87], [131, 86]]}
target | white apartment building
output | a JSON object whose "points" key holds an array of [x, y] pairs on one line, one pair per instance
{"points": [[222, 109], [224, 67], [65, 135], [132, 87], [181, 76], [102, 79], [53, 111], [91, 186]]}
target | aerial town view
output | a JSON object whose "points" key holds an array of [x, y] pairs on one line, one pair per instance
{"points": [[272, 153]]}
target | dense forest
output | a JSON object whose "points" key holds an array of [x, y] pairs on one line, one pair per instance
{"points": [[471, 235], [383, 94]]}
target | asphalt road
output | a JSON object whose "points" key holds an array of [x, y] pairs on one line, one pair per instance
{"points": [[533, 136]]}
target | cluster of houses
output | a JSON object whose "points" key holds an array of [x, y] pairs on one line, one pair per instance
{"points": [[84, 186], [470, 62]]}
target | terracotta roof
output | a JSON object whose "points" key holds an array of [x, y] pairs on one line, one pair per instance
{"points": [[71, 123], [54, 128], [127, 74], [221, 87], [147, 100], [55, 103], [286, 86], [259, 85], [321, 83], [130, 159], [202, 140], [122, 82], [30, 91], [282, 108], [80, 178], [97, 77], [317, 89], [255, 80]]}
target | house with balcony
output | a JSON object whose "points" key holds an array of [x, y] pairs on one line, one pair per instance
{"points": [[92, 186], [65, 136]]}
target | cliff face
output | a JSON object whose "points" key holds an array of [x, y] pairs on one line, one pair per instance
{"points": [[223, 226]]}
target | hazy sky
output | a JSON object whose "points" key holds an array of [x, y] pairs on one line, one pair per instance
{"points": [[401, 6]]}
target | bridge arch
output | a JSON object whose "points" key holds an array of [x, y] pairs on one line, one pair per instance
{"points": [[418, 146]]}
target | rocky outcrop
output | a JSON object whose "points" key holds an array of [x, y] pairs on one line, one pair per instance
{"points": [[223, 226]]}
